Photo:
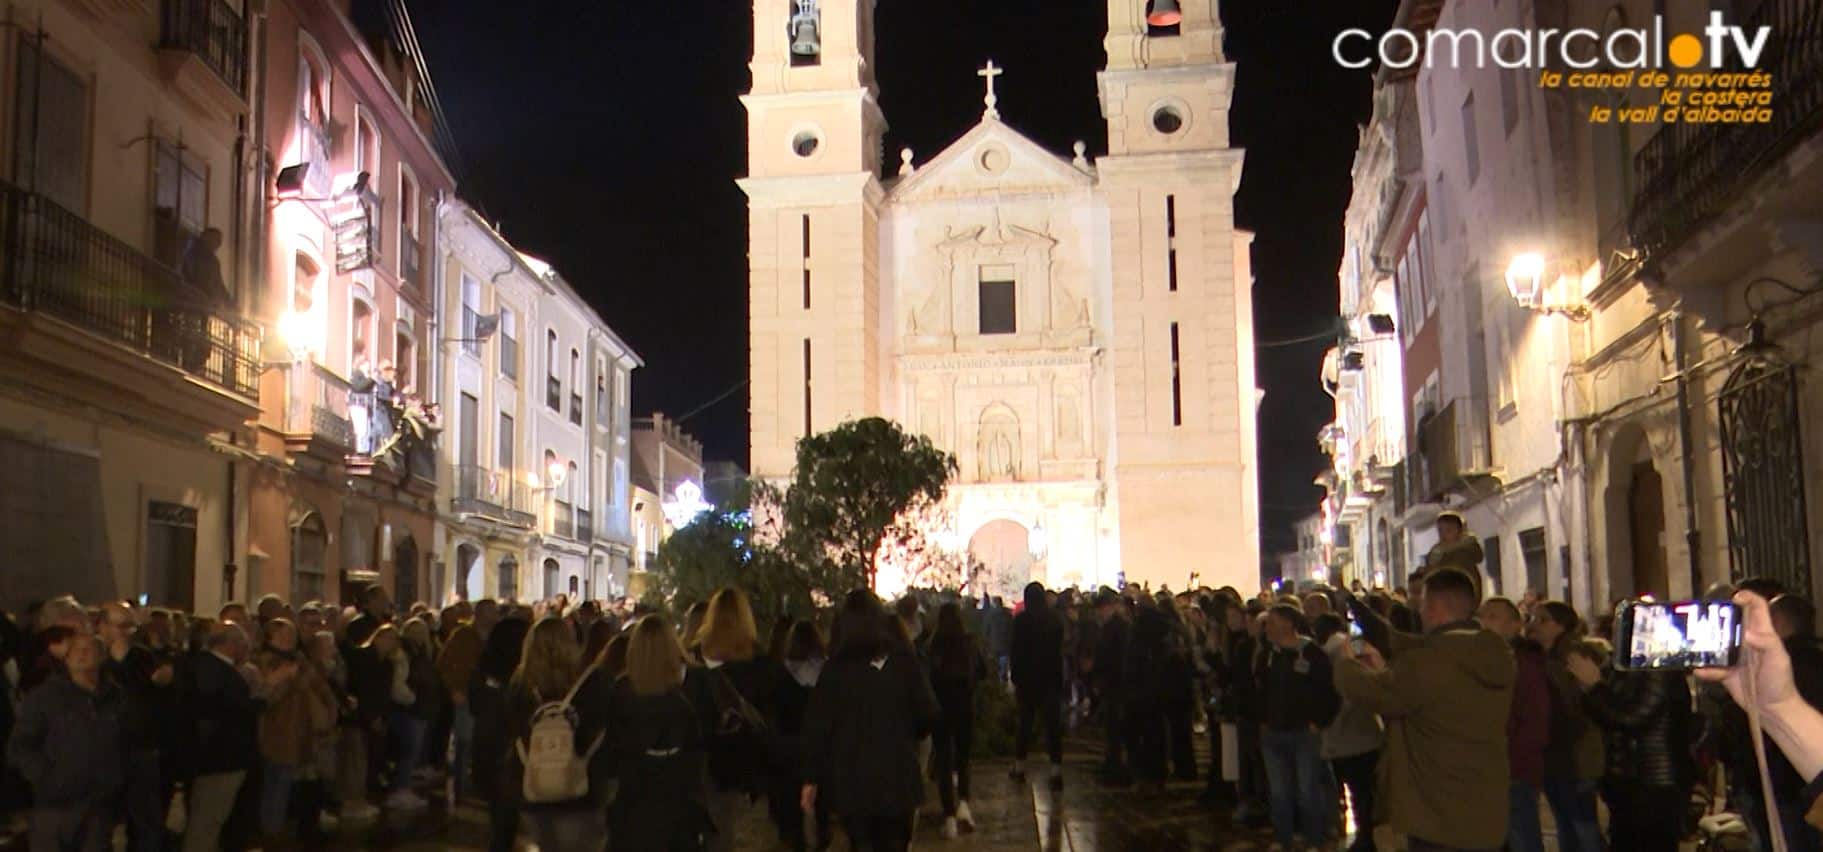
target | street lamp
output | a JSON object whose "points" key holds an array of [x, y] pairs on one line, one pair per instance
{"points": [[556, 473], [294, 329], [1525, 281]]}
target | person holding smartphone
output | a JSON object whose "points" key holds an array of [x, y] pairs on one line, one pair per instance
{"points": [[1645, 719], [1763, 681]]}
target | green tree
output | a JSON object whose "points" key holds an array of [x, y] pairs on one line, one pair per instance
{"points": [[719, 549], [851, 487]]}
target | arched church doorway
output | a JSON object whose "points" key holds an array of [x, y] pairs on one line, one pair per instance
{"points": [[1005, 552]]}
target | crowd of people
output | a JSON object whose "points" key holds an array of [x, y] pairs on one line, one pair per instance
{"points": [[1431, 714]]}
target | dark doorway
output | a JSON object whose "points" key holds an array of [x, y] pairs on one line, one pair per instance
{"points": [[171, 555], [1646, 526], [405, 573]]}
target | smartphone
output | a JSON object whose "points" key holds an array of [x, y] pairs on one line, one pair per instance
{"points": [[143, 597], [1676, 636], [1357, 641]]}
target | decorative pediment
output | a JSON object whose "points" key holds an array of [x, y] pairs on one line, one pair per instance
{"points": [[991, 158]]}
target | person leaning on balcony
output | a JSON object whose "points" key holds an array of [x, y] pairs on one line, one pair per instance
{"points": [[1456, 548], [360, 404]]}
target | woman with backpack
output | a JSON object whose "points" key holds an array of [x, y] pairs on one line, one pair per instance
{"points": [[556, 715], [657, 748], [736, 696], [871, 705], [956, 665]]}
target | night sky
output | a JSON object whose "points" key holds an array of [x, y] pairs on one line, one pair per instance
{"points": [[605, 137]]}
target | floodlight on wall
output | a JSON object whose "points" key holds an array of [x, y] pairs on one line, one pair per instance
{"points": [[1380, 323]]}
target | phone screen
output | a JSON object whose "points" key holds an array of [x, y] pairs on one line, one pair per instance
{"points": [[1677, 636]]}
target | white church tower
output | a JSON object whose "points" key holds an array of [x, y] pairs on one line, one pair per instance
{"points": [[814, 134], [1183, 312], [1079, 335]]}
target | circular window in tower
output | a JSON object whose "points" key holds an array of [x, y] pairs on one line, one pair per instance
{"points": [[805, 143], [1167, 119]]}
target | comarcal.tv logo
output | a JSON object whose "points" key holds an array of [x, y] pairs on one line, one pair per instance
{"points": [[1720, 45]]}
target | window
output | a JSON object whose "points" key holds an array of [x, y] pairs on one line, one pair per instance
{"points": [[1171, 241], [1491, 547], [1177, 381], [807, 386], [471, 315], [1503, 319], [51, 143], [806, 224], [1471, 140], [575, 387], [360, 330], [509, 344], [309, 543], [503, 454], [408, 228], [509, 578], [313, 88], [366, 147], [999, 314], [405, 355], [180, 203], [1532, 549], [553, 386], [602, 417]]}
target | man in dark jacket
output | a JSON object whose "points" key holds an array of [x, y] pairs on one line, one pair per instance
{"points": [[1037, 658], [222, 700], [1444, 698], [145, 681], [1528, 725], [1110, 654], [67, 743], [1299, 700]]}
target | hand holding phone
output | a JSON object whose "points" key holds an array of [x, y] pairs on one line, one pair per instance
{"points": [[1677, 636]]}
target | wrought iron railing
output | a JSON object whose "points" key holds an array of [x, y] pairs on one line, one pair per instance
{"points": [[585, 526], [317, 404], [1690, 172], [563, 520], [493, 494], [55, 262], [213, 31]]}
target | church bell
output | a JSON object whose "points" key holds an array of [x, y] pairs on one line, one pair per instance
{"points": [[806, 40], [1165, 13]]}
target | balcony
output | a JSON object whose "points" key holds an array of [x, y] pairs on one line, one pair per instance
{"points": [[553, 394], [316, 413], [1455, 446], [494, 495], [203, 52], [54, 263], [563, 520], [1690, 173], [576, 408], [585, 526]]}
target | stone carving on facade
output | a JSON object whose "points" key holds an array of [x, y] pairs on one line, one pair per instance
{"points": [[1069, 422], [997, 448]]}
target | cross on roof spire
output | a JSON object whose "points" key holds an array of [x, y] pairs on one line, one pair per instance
{"points": [[989, 73]]}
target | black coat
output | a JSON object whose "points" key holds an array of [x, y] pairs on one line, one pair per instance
{"points": [[1110, 655], [861, 735], [1037, 658], [1645, 721], [740, 765], [147, 703], [1298, 689], [657, 749], [226, 715], [68, 741]]}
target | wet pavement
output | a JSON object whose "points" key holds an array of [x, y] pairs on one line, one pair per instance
{"points": [[1084, 817]]}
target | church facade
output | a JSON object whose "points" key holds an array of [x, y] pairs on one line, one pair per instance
{"points": [[1078, 334]]}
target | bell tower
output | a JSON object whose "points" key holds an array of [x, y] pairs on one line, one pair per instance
{"points": [[1183, 321], [814, 142]]}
